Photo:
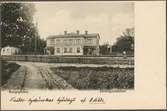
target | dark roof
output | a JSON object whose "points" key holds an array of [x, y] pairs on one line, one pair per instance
{"points": [[73, 35]]}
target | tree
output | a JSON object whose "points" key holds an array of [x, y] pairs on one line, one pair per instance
{"points": [[105, 49], [17, 26], [125, 42]]}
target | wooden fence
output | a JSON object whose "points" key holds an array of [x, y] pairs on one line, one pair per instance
{"points": [[71, 59]]}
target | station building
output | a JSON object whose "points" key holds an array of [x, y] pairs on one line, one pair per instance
{"points": [[74, 43]]}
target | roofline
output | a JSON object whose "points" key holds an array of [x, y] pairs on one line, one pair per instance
{"points": [[72, 36], [10, 47]]}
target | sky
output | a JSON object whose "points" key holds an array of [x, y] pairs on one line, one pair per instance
{"points": [[109, 19]]}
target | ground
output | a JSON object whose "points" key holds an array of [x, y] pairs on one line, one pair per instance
{"points": [[35, 75]]}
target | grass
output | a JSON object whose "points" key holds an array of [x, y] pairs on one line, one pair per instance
{"points": [[97, 78], [7, 70]]}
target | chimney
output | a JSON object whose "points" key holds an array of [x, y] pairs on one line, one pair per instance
{"points": [[78, 32], [65, 32], [86, 32]]}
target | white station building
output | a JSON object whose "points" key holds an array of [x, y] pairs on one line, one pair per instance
{"points": [[74, 43]]}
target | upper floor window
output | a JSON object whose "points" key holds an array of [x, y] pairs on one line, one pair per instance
{"points": [[57, 41], [78, 41], [71, 41], [65, 41], [51, 41], [89, 41]]}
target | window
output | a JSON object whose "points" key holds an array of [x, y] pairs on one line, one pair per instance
{"points": [[89, 41], [78, 50], [57, 41], [58, 50], [65, 50], [78, 41], [70, 51], [65, 41], [71, 41], [68, 41], [51, 41]]}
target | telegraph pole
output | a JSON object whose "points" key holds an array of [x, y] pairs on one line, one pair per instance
{"points": [[35, 49], [0, 33], [0, 59]]}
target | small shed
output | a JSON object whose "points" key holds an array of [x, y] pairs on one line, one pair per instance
{"points": [[8, 50]]}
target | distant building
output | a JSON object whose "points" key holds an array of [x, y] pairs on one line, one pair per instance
{"points": [[10, 50], [74, 44]]}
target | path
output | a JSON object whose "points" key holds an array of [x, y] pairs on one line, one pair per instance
{"points": [[33, 76]]}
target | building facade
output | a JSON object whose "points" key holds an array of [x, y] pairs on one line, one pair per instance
{"points": [[74, 44]]}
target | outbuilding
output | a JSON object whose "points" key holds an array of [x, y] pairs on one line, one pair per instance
{"points": [[8, 50]]}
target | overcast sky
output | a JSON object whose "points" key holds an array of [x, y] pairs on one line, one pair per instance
{"points": [[108, 19]]}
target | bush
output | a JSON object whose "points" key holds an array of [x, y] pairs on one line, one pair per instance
{"points": [[7, 70], [97, 78]]}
